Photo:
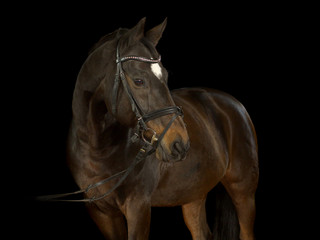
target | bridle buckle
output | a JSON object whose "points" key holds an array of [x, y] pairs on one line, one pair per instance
{"points": [[153, 138]]}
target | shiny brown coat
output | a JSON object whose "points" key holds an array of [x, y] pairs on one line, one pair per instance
{"points": [[223, 145]]}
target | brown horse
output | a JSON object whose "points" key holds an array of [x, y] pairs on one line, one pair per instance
{"points": [[121, 101]]}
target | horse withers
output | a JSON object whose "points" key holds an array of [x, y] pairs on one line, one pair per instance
{"points": [[177, 144]]}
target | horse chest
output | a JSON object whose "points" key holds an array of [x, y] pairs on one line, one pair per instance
{"points": [[187, 181]]}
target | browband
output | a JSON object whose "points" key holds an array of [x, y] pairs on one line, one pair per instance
{"points": [[140, 59]]}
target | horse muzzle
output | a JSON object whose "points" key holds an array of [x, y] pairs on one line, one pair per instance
{"points": [[176, 152]]}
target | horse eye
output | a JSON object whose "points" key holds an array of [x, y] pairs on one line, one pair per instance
{"points": [[138, 82]]}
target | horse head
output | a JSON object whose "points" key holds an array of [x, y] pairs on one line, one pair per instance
{"points": [[137, 94]]}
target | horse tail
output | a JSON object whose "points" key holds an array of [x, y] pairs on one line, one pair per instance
{"points": [[226, 224]]}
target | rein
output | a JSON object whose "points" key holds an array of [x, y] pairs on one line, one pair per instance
{"points": [[148, 148], [142, 155]]}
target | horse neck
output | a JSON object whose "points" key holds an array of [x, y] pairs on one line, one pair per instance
{"points": [[93, 123], [104, 150], [97, 127], [106, 136], [96, 68]]}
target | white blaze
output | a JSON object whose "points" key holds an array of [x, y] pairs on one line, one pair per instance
{"points": [[156, 69]]}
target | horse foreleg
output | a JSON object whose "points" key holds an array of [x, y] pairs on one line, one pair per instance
{"points": [[138, 215], [194, 215], [110, 222]]}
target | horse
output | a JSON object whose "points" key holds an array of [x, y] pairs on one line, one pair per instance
{"points": [[154, 146]]}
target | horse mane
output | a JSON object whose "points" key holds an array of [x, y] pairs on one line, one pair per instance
{"points": [[88, 82], [110, 36]]}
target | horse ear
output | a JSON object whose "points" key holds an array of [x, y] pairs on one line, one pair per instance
{"points": [[137, 32], [154, 34]]}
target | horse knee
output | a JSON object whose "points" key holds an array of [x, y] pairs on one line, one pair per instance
{"points": [[195, 218], [111, 224], [138, 216]]}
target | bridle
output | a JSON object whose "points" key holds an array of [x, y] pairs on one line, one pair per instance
{"points": [[148, 147], [141, 116]]}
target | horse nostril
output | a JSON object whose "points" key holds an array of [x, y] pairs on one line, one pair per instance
{"points": [[177, 148], [178, 151]]}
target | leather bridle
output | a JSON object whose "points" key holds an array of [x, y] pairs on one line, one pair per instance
{"points": [[141, 116], [148, 147]]}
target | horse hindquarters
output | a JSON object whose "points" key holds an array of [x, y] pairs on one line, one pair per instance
{"points": [[228, 129], [241, 178]]}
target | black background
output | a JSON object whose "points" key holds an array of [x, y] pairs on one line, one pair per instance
{"points": [[251, 52]]}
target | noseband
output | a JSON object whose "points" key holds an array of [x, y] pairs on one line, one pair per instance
{"points": [[141, 116]]}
